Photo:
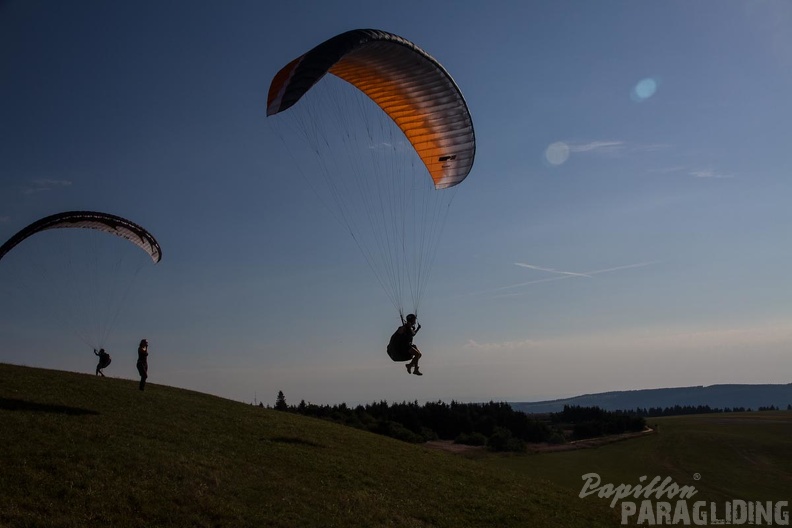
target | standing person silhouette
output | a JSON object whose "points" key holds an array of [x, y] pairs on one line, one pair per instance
{"points": [[142, 362]]}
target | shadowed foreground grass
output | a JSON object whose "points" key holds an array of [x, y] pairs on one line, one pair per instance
{"points": [[78, 451], [726, 456]]}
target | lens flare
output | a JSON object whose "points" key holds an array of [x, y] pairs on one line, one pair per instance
{"points": [[645, 89], [557, 153]]}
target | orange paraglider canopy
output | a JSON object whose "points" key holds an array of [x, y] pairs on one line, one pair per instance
{"points": [[407, 83]]}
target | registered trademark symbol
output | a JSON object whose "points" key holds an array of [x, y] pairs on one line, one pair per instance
{"points": [[696, 476]]}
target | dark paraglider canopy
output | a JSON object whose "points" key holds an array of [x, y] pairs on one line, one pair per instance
{"points": [[108, 223], [65, 268]]}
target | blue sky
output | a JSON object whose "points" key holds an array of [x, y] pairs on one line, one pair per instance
{"points": [[648, 139]]}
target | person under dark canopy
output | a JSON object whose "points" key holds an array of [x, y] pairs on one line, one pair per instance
{"points": [[104, 361], [401, 347]]}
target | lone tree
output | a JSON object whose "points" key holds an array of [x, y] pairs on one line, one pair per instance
{"points": [[280, 402]]}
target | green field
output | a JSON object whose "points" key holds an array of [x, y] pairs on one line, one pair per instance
{"points": [[728, 456], [85, 451]]}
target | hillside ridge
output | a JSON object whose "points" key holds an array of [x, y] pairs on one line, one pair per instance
{"points": [[719, 396]]}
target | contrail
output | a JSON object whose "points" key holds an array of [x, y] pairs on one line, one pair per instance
{"points": [[551, 270], [639, 265], [586, 274]]}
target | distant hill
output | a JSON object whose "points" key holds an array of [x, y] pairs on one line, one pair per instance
{"points": [[716, 396]]}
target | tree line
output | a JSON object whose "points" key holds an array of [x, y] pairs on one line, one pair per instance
{"points": [[591, 422], [494, 424], [677, 410]]}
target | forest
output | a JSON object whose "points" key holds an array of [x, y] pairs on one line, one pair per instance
{"points": [[495, 425]]}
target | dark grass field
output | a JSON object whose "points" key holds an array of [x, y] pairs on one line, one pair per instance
{"points": [[729, 456], [81, 451]]}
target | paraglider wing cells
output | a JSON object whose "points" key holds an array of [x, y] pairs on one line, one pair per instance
{"points": [[410, 86]]}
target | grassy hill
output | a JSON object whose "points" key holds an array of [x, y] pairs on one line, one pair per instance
{"points": [[85, 451], [726, 456]]}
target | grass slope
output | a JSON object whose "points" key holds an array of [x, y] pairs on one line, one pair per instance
{"points": [[744, 456], [85, 451]]}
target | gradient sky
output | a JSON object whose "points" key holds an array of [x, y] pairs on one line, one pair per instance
{"points": [[626, 224]]}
